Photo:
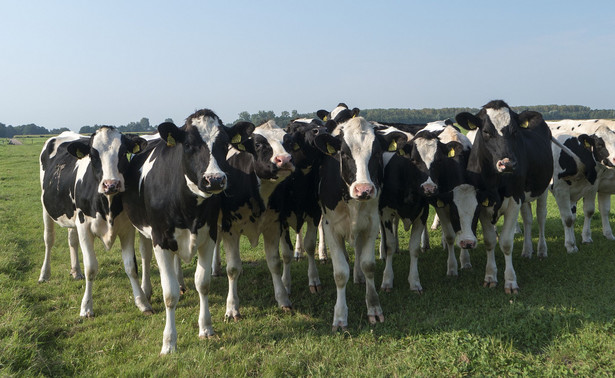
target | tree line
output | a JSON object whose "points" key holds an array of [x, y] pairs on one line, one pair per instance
{"points": [[549, 112]]}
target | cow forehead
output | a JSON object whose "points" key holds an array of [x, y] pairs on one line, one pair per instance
{"points": [[427, 148], [500, 118], [107, 139], [337, 111], [207, 127], [358, 133], [450, 134], [386, 130], [608, 136], [270, 131]]}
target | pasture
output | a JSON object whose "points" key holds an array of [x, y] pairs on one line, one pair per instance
{"points": [[560, 323]]}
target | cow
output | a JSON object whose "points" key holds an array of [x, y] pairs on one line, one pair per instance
{"points": [[428, 169], [512, 163], [83, 180], [255, 170], [593, 143], [349, 189], [173, 200]]}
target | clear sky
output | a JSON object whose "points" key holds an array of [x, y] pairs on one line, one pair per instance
{"points": [[76, 63]]}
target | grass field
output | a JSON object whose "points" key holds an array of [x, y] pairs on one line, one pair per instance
{"points": [[561, 322]]}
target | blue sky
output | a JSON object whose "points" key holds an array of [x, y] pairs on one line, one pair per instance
{"points": [[76, 63]]}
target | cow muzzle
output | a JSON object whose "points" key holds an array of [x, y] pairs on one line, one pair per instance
{"points": [[363, 192], [214, 183], [505, 165], [110, 187], [429, 189], [284, 162]]}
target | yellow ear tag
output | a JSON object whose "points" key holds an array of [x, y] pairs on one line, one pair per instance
{"points": [[136, 149], [525, 124], [451, 153], [171, 141], [587, 145], [79, 154], [296, 147], [401, 152], [393, 146], [330, 149], [439, 203], [354, 115], [241, 147], [325, 119], [471, 125], [485, 202], [236, 139]]}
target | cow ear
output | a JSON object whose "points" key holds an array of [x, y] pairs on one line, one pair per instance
{"points": [[453, 148], [530, 119], [327, 143], [587, 141], [392, 141], [355, 112], [468, 121], [78, 149], [134, 143], [170, 133], [323, 114], [240, 133]]}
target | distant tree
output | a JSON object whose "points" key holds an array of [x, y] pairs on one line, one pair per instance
{"points": [[58, 131], [244, 116], [169, 120]]}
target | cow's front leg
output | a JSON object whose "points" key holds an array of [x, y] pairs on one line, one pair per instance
{"points": [[490, 240], [233, 271], [170, 292], [286, 247], [604, 206], [271, 239], [341, 273], [73, 247], [365, 243], [526, 216], [202, 281], [507, 236], [388, 247], [415, 247], [589, 208], [541, 218], [90, 264], [310, 249], [127, 240]]}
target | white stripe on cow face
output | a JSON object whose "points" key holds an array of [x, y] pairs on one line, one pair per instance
{"points": [[427, 149], [209, 131], [107, 142], [337, 111], [359, 137], [500, 118]]}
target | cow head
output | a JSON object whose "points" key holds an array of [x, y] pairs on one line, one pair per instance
{"points": [[601, 144], [108, 151], [204, 142], [270, 146], [340, 114], [309, 139], [359, 149], [498, 126], [434, 156]]}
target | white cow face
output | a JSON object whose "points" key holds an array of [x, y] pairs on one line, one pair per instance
{"points": [[107, 152], [270, 146], [602, 145]]}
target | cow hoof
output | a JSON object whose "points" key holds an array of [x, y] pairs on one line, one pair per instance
{"points": [[386, 289], [511, 291], [323, 261], [237, 317], [418, 291], [315, 289], [182, 290], [288, 310], [467, 266], [339, 326], [374, 319], [452, 273], [148, 312], [208, 335], [77, 275], [490, 284]]}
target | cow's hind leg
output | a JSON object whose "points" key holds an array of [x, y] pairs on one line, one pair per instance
{"points": [[73, 247], [49, 238], [127, 240]]}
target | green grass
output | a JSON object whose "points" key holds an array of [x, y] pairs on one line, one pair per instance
{"points": [[561, 322]]}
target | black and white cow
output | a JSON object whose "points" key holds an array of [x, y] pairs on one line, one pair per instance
{"points": [[593, 143], [350, 185], [171, 200], [511, 162], [428, 169], [82, 182], [256, 168]]}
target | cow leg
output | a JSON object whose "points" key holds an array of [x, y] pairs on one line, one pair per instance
{"points": [[271, 239], [298, 246], [341, 273], [388, 248], [233, 271], [541, 218], [310, 249], [357, 273], [526, 215], [322, 247], [415, 247], [216, 262], [436, 222], [490, 240], [127, 240], [90, 265], [145, 249], [73, 247], [364, 242], [49, 238], [448, 238], [287, 256], [589, 207], [179, 273], [564, 203], [202, 281], [507, 236], [170, 292], [604, 206]]}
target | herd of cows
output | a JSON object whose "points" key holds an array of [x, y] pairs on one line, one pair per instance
{"points": [[187, 189]]}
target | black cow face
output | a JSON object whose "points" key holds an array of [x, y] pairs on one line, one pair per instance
{"points": [[498, 126], [310, 138], [270, 145], [602, 146], [108, 152], [204, 142]]}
